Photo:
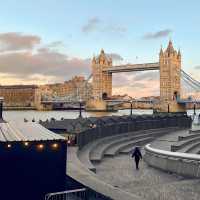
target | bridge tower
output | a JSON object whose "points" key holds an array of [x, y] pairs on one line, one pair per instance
{"points": [[102, 81], [170, 79]]}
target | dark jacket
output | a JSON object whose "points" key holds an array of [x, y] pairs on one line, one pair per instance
{"points": [[137, 153]]}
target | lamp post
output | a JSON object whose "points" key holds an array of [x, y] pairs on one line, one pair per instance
{"points": [[80, 108], [131, 102], [194, 108], [1, 108]]}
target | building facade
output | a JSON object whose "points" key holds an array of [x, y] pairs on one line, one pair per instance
{"points": [[75, 89], [21, 96]]}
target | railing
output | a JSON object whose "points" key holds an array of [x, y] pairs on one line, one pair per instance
{"points": [[132, 123], [78, 194]]}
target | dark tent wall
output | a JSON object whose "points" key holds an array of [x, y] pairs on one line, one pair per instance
{"points": [[29, 171]]}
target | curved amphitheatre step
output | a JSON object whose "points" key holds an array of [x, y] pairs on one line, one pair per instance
{"points": [[111, 152], [84, 153], [194, 131], [97, 153], [83, 156], [190, 136], [182, 144], [191, 148]]}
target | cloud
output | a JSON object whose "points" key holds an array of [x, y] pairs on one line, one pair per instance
{"points": [[115, 56], [114, 29], [13, 41], [137, 84], [44, 62], [197, 67], [120, 80], [148, 76], [96, 24], [91, 25], [158, 34], [56, 44]]}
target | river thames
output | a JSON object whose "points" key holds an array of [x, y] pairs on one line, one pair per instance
{"points": [[43, 115]]}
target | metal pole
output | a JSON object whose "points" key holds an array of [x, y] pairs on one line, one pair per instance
{"points": [[131, 108], [1, 108], [80, 110], [194, 108], [168, 108]]}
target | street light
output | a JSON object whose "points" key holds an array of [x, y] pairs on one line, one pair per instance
{"points": [[131, 102], [1, 108], [80, 108], [194, 108]]}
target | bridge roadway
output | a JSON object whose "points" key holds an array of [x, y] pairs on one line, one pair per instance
{"points": [[133, 67]]}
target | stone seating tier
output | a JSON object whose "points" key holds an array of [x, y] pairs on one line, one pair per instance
{"points": [[97, 153], [95, 150], [191, 148], [181, 144], [190, 136], [114, 150]]}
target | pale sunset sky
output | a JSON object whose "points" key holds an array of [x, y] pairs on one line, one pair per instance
{"points": [[47, 41]]}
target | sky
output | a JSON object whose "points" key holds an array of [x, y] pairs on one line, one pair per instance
{"points": [[47, 41]]}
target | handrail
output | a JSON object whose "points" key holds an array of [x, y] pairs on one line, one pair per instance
{"points": [[180, 155], [49, 195]]}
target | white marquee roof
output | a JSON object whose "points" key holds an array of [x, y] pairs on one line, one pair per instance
{"points": [[26, 131]]}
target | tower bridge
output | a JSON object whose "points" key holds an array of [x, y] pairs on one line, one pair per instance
{"points": [[169, 66], [171, 79]]}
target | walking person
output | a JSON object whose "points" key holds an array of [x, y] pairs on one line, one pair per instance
{"points": [[137, 154]]}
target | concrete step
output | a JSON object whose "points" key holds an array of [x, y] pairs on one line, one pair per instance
{"points": [[118, 148], [182, 144], [194, 131], [83, 156], [189, 136], [84, 153], [97, 153], [191, 148]]}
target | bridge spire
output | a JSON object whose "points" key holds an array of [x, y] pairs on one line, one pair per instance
{"points": [[170, 48], [161, 51], [102, 51], [179, 53]]}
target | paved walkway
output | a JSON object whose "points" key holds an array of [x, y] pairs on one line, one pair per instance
{"points": [[166, 141], [148, 183]]}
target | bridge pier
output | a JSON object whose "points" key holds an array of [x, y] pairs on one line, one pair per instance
{"points": [[96, 105], [171, 107]]}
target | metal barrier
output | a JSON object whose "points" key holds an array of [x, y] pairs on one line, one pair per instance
{"points": [[78, 194], [135, 124]]}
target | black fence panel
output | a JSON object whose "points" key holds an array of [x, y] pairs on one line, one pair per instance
{"points": [[130, 124]]}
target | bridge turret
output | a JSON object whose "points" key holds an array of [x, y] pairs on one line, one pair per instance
{"points": [[170, 74], [102, 81]]}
